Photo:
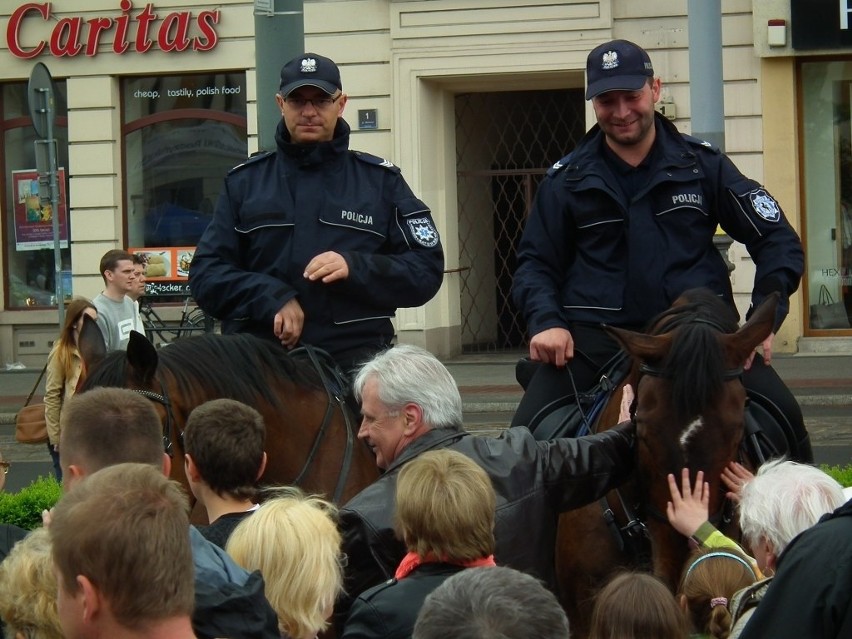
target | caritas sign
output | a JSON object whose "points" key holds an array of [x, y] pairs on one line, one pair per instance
{"points": [[32, 27]]}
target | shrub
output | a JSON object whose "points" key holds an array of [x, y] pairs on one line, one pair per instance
{"points": [[24, 507], [843, 474]]}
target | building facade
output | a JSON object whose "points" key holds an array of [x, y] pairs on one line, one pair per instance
{"points": [[474, 99]]}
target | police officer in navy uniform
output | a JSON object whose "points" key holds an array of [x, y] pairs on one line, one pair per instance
{"points": [[624, 224], [314, 243]]}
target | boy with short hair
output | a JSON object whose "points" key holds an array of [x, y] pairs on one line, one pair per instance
{"points": [[224, 458]]}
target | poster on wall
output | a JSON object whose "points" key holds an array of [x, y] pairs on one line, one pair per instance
{"points": [[33, 219]]}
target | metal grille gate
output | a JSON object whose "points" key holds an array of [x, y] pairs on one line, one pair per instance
{"points": [[505, 143]]}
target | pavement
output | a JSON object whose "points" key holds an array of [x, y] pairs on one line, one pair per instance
{"points": [[822, 384]]}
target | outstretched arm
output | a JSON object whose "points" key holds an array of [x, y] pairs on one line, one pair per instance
{"points": [[690, 505]]}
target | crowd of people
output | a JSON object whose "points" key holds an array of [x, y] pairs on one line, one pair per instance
{"points": [[457, 537], [122, 530]]}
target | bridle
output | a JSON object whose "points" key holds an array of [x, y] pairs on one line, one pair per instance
{"points": [[634, 537], [655, 371], [163, 399], [334, 387], [729, 375]]}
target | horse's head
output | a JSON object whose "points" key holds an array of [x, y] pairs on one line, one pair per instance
{"points": [[689, 397]]}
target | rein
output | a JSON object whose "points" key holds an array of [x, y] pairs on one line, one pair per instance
{"points": [[335, 391]]}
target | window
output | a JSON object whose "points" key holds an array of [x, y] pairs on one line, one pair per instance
{"points": [[826, 98], [30, 264], [181, 136]]}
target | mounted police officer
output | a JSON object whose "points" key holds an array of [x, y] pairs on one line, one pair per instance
{"points": [[624, 224], [314, 243]]}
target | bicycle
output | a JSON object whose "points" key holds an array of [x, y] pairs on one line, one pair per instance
{"points": [[161, 332]]}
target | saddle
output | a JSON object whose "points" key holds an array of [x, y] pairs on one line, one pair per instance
{"points": [[574, 414]]}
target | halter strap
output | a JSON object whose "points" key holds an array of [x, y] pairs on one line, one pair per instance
{"points": [[335, 389], [162, 399], [655, 371]]}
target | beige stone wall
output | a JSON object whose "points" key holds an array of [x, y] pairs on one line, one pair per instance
{"points": [[408, 58], [94, 125]]}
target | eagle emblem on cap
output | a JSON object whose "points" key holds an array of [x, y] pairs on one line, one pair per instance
{"points": [[309, 65], [610, 60]]}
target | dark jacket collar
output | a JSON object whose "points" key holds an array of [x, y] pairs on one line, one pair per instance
{"points": [[669, 144], [308, 154], [438, 438]]}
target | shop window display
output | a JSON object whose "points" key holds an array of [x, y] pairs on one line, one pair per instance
{"points": [[182, 134], [827, 159], [30, 266]]}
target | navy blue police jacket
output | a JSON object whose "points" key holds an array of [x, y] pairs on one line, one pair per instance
{"points": [[588, 254], [280, 209]]}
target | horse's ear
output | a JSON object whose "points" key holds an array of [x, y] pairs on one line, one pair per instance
{"points": [[740, 345], [640, 345], [91, 343], [141, 357]]}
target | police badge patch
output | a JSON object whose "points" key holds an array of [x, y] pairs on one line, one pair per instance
{"points": [[765, 205], [423, 232]]}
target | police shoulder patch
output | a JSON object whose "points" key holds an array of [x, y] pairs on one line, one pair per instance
{"points": [[423, 231], [764, 205], [377, 161], [256, 157], [559, 165]]}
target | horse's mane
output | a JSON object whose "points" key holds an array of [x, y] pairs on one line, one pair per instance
{"points": [[240, 367], [695, 363]]}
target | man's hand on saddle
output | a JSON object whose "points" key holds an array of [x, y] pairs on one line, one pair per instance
{"points": [[767, 352], [552, 346], [327, 267], [288, 323], [690, 505], [735, 476]]}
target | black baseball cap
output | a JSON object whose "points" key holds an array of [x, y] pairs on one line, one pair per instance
{"points": [[618, 65], [310, 70]]}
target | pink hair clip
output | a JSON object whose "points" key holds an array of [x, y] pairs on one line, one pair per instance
{"points": [[718, 601]]}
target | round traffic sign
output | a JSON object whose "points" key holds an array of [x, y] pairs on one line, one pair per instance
{"points": [[40, 94]]}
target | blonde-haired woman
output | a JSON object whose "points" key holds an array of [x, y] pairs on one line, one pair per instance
{"points": [[64, 367], [445, 509], [293, 540], [28, 590]]}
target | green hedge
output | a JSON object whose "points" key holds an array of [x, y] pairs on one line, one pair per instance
{"points": [[843, 474], [24, 507]]}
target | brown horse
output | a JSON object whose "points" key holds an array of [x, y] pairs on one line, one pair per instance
{"points": [[310, 433], [689, 413]]}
